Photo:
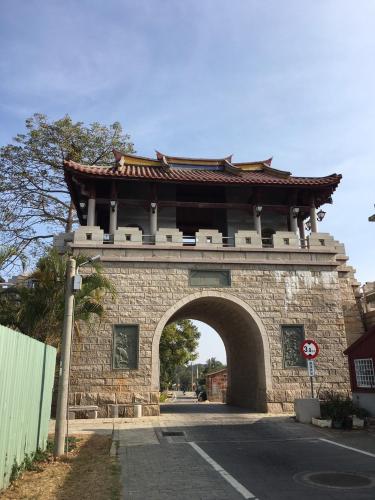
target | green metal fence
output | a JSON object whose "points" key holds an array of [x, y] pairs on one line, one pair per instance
{"points": [[27, 369]]}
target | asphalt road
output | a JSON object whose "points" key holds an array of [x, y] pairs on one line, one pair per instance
{"points": [[224, 453]]}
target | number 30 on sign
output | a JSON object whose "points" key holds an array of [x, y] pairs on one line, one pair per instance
{"points": [[309, 349]]}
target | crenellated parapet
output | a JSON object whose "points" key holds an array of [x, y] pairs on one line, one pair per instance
{"points": [[203, 239]]}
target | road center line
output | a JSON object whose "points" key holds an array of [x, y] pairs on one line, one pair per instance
{"points": [[348, 447], [228, 477]]}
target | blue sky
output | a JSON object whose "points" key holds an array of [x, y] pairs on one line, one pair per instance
{"points": [[294, 80]]}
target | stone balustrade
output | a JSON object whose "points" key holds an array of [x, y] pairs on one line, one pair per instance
{"points": [[204, 239]]}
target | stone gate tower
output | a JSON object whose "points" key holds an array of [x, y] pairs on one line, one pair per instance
{"points": [[220, 242]]}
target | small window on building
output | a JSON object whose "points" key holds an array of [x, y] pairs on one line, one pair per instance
{"points": [[169, 238], [286, 241], [248, 241], [88, 236], [128, 237], [364, 372], [208, 239], [322, 242], [292, 338]]}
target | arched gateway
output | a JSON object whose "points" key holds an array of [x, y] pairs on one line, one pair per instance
{"points": [[244, 338], [216, 241]]}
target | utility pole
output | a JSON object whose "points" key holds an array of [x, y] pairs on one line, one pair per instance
{"points": [[192, 375], [62, 401], [73, 283]]}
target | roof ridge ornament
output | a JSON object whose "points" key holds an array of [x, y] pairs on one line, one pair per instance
{"points": [[230, 168], [268, 162], [184, 159], [165, 163]]}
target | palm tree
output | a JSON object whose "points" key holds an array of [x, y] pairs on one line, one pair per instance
{"points": [[40, 310], [6, 254]]}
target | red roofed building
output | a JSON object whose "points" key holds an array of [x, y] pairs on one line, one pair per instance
{"points": [[216, 241], [361, 357], [217, 384]]}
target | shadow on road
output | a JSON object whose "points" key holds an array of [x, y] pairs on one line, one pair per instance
{"points": [[200, 408]]}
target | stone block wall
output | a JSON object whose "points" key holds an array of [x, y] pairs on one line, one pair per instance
{"points": [[312, 296]]}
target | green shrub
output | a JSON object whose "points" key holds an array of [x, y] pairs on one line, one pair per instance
{"points": [[335, 405]]}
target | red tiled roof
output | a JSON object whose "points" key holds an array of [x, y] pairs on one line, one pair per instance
{"points": [[143, 172]]}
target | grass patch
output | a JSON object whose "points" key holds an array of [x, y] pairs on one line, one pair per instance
{"points": [[86, 472]]}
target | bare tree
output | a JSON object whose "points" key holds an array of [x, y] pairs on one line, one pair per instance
{"points": [[34, 201]]}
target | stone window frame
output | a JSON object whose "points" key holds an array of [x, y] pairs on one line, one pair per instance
{"points": [[303, 337], [225, 271], [137, 349]]}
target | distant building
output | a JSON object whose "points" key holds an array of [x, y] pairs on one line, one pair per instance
{"points": [[216, 385], [368, 302], [361, 357]]}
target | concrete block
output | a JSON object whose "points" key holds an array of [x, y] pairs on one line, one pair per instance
{"points": [[60, 241], [137, 411], [321, 240], [285, 239], [358, 423], [307, 409], [320, 422], [168, 236], [209, 238], [90, 235], [128, 236], [249, 239]]}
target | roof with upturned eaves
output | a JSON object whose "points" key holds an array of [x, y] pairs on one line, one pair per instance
{"points": [[195, 170]]}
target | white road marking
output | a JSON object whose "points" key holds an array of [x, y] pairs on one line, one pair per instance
{"points": [[348, 447], [230, 479]]}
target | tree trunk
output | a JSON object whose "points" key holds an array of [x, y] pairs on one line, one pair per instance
{"points": [[69, 221]]}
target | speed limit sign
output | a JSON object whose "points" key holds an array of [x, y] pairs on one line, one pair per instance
{"points": [[309, 349]]}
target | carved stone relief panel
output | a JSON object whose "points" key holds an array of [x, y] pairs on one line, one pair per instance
{"points": [[292, 338], [125, 347]]}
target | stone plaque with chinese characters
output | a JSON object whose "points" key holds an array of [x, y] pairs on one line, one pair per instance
{"points": [[125, 347], [213, 279], [292, 337]]}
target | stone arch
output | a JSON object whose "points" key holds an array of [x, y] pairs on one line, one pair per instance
{"points": [[244, 337]]}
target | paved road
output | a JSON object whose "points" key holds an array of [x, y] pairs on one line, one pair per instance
{"points": [[228, 454]]}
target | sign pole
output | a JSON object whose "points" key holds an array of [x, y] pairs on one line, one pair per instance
{"points": [[310, 350]]}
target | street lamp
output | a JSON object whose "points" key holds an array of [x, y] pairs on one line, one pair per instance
{"points": [[308, 225], [295, 212], [258, 210], [73, 284], [320, 215]]}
